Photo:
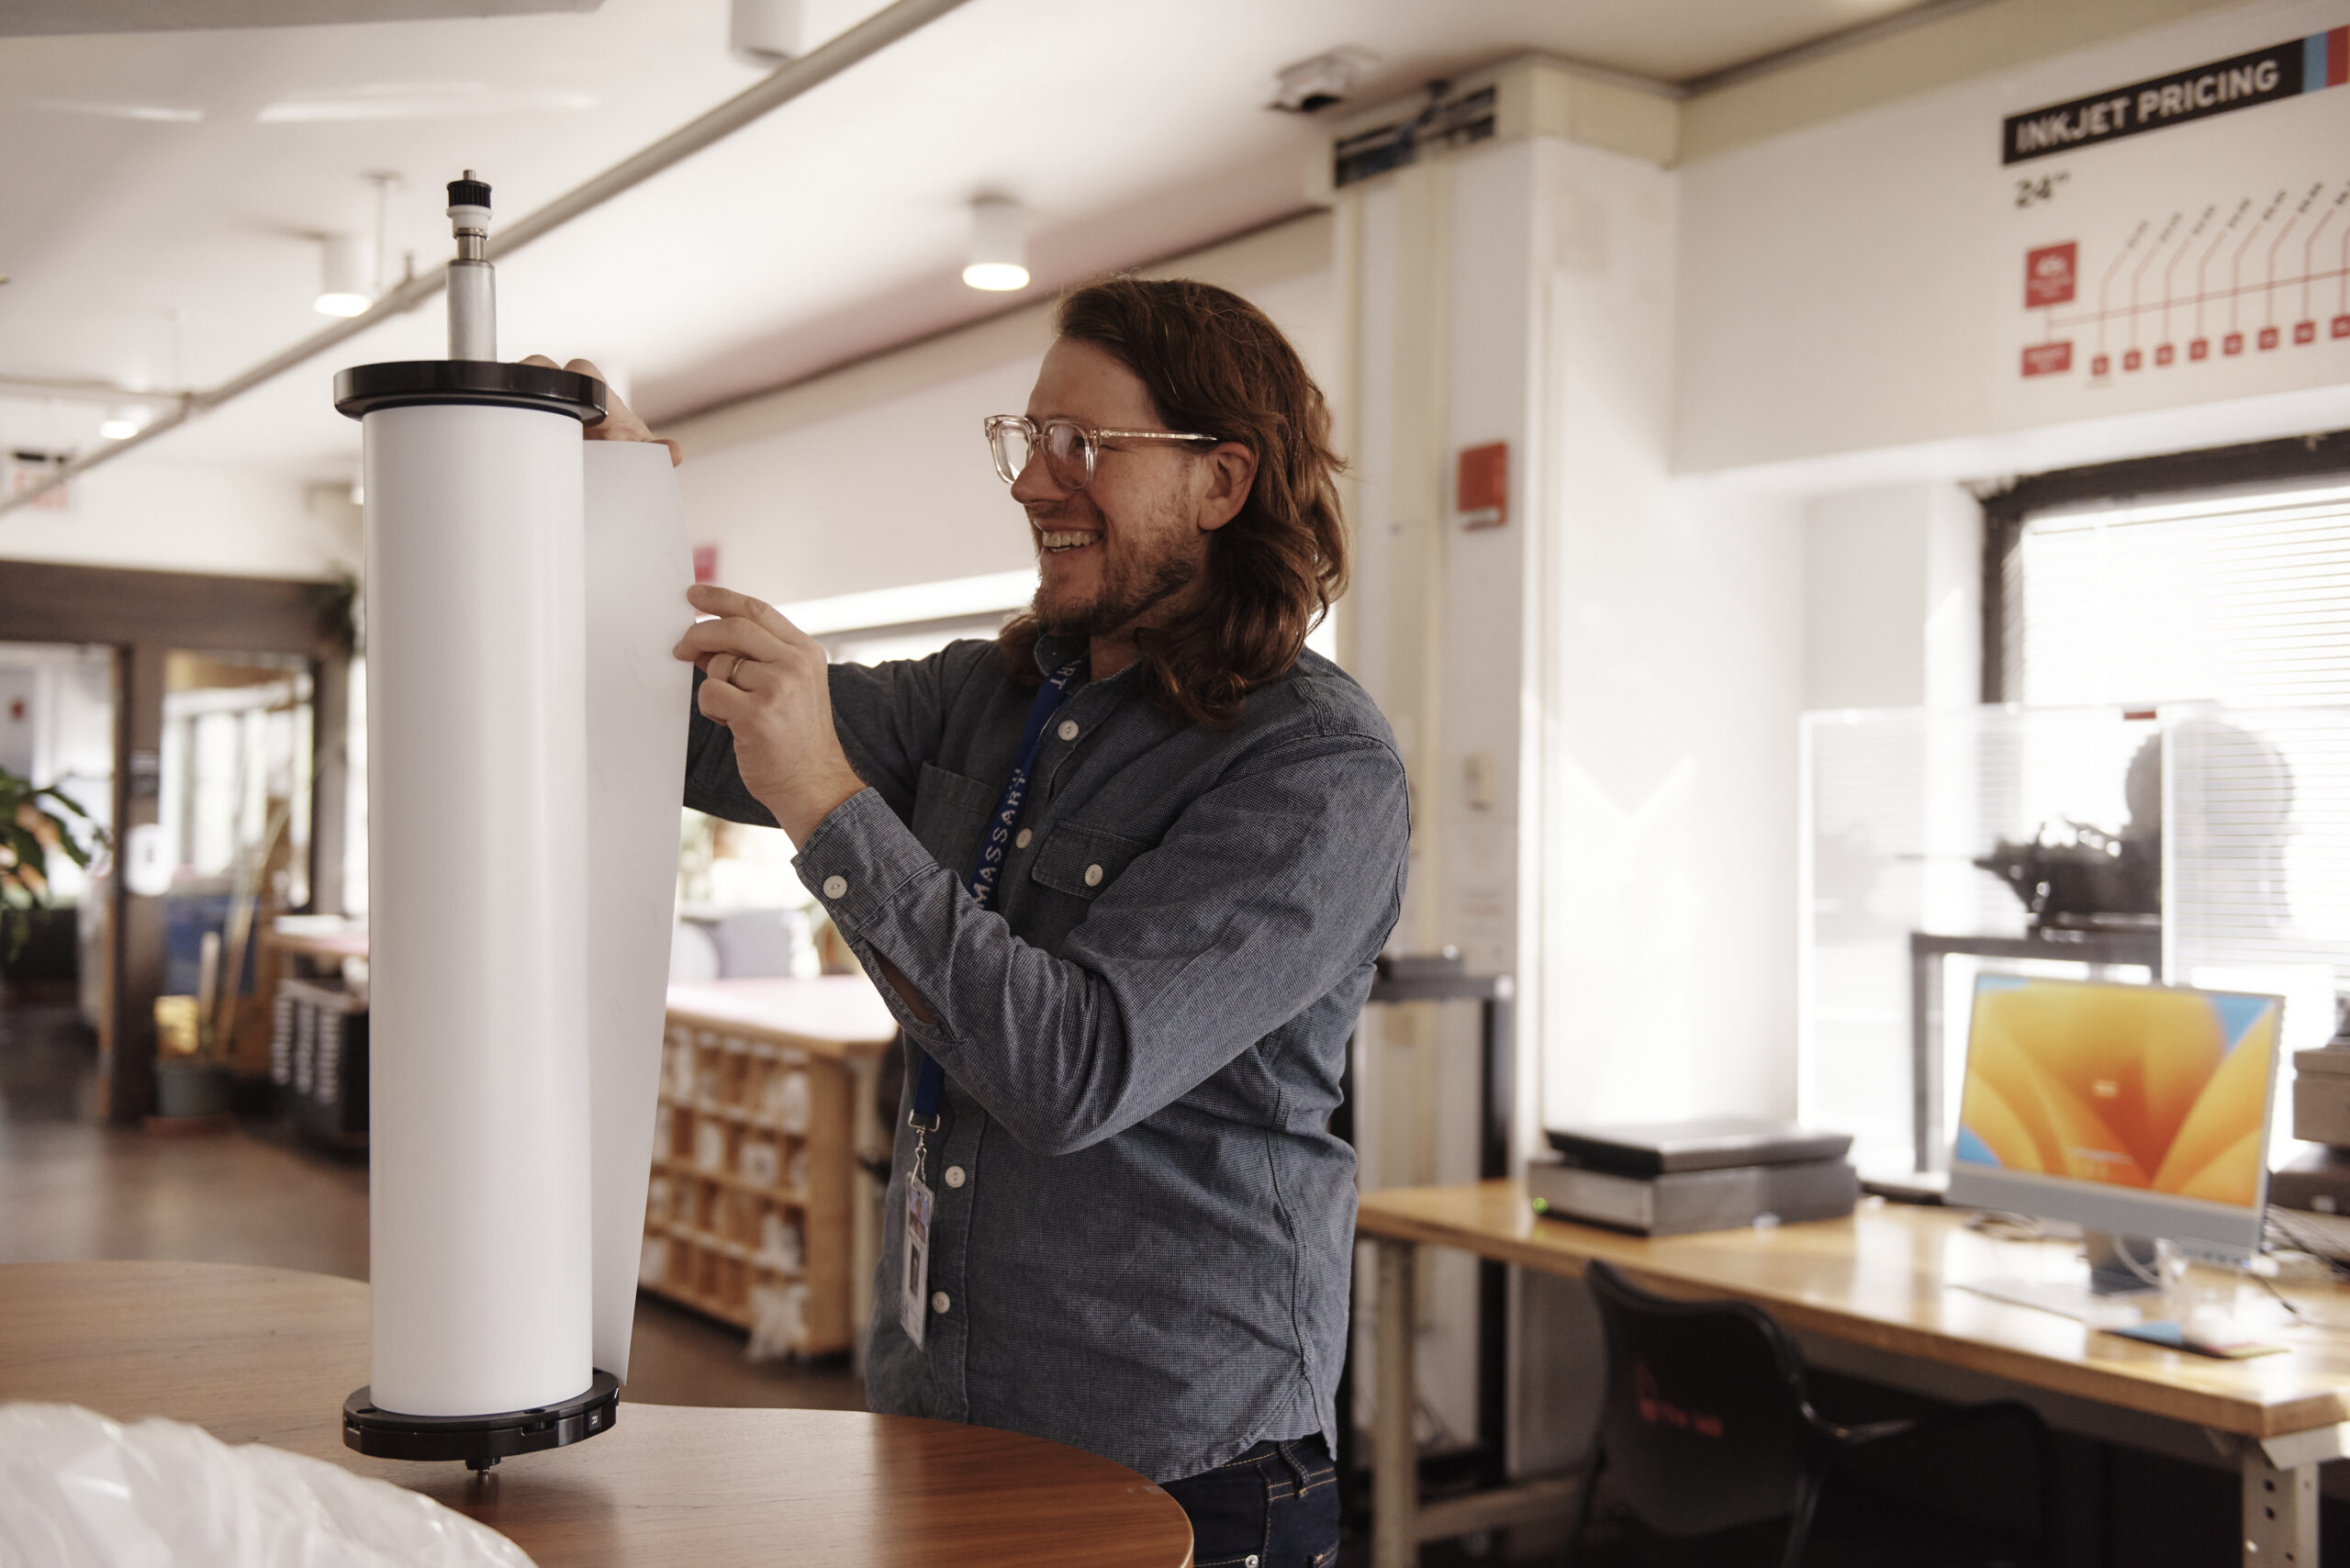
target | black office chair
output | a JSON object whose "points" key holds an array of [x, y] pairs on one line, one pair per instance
{"points": [[1707, 1425]]}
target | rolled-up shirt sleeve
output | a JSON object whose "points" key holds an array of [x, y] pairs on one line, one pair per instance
{"points": [[1268, 891]]}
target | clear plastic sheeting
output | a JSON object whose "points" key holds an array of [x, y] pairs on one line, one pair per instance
{"points": [[2246, 808], [79, 1491]]}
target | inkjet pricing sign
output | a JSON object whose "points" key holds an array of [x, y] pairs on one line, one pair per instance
{"points": [[2281, 71], [2183, 235]]}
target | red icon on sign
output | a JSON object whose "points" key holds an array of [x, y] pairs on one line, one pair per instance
{"points": [[2231, 343], [2268, 339], [2342, 326], [2133, 360], [2047, 359], [2100, 364], [2049, 273], [2164, 354], [2305, 331], [2200, 349]]}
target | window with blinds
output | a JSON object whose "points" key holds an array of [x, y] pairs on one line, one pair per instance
{"points": [[2241, 597], [2228, 611]]}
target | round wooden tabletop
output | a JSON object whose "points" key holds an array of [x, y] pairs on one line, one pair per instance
{"points": [[267, 1355]]}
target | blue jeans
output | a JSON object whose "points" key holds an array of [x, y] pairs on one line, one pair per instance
{"points": [[1275, 1506]]}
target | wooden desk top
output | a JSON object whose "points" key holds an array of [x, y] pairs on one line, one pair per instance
{"points": [[1878, 1279], [351, 941], [830, 1015], [267, 1355]]}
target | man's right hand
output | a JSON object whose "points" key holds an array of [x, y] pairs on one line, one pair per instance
{"points": [[619, 424]]}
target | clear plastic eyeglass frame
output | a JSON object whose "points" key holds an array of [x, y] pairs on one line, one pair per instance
{"points": [[1070, 450]]}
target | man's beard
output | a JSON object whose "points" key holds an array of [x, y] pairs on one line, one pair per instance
{"points": [[1136, 577]]}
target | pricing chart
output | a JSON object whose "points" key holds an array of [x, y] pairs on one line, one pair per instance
{"points": [[2200, 260]]}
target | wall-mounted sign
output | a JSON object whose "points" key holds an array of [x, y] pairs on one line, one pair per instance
{"points": [[2214, 263], [2281, 71]]}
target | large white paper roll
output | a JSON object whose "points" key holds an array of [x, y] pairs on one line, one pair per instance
{"points": [[638, 568], [476, 751]]}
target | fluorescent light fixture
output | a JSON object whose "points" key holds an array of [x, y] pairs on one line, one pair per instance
{"points": [[347, 277], [420, 100], [162, 114], [999, 246], [953, 599], [126, 419]]}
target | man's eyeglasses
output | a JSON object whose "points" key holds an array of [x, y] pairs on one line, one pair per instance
{"points": [[1069, 449]]}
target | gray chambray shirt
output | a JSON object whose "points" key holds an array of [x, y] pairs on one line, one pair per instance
{"points": [[1146, 1251]]}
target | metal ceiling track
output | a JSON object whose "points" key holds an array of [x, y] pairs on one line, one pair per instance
{"points": [[868, 38]]}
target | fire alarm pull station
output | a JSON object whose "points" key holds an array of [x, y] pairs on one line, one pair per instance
{"points": [[1482, 487]]}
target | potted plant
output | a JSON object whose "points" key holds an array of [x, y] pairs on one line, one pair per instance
{"points": [[31, 829]]}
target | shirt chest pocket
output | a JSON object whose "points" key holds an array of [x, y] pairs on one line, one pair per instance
{"points": [[1082, 860], [950, 815]]}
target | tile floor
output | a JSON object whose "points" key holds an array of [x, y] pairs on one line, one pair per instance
{"points": [[72, 1189]]}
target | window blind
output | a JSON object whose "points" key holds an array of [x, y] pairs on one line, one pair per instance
{"points": [[2242, 599]]}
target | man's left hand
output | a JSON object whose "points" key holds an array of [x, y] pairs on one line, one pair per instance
{"points": [[620, 423], [766, 684]]}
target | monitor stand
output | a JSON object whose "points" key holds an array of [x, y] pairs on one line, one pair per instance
{"points": [[2110, 1292]]}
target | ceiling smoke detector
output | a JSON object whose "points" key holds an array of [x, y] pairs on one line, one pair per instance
{"points": [[1312, 85]]}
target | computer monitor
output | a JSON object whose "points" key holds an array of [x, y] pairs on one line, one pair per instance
{"points": [[2134, 1110]]}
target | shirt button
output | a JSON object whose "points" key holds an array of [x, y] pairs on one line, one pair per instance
{"points": [[1093, 875], [1068, 729], [1022, 842], [938, 1303], [954, 1176], [836, 886]]}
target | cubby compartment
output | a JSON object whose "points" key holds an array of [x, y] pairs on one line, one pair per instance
{"points": [[749, 1212]]}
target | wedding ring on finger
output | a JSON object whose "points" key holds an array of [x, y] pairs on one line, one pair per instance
{"points": [[727, 679]]}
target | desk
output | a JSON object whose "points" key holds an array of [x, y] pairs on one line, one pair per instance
{"points": [[1876, 1280], [328, 946], [266, 1355]]}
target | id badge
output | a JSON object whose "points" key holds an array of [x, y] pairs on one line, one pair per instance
{"points": [[914, 1265]]}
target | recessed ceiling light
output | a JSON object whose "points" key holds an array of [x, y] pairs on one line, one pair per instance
{"points": [[999, 246]]}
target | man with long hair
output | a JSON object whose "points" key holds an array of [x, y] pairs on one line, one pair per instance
{"points": [[1122, 876]]}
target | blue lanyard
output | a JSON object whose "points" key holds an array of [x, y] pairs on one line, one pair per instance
{"points": [[929, 1079]]}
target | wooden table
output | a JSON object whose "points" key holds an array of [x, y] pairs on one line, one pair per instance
{"points": [[266, 1355], [333, 946], [1883, 1280], [736, 1033]]}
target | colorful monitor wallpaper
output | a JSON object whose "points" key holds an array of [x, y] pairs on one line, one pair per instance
{"points": [[2133, 1086]]}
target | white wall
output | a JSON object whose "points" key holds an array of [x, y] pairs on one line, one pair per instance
{"points": [[1675, 671], [1892, 596], [188, 517], [877, 476], [895, 493]]}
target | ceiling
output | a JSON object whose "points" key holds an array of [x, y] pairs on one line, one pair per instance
{"points": [[168, 231]]}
